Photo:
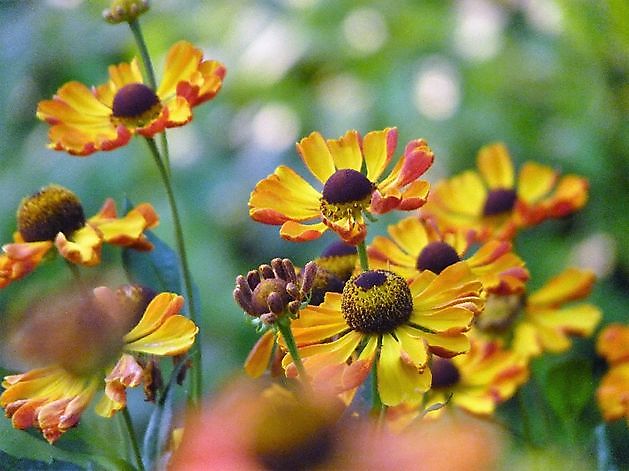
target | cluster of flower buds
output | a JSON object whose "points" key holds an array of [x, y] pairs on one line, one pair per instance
{"points": [[273, 290], [125, 10]]}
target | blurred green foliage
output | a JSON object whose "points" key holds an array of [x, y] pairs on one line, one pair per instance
{"points": [[547, 77]]}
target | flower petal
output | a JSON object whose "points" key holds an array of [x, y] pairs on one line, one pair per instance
{"points": [[378, 148], [258, 359], [297, 232], [161, 307], [317, 156], [83, 249], [346, 152], [494, 164], [174, 337], [535, 181], [569, 285]]}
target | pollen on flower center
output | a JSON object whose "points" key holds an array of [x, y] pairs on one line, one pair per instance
{"points": [[499, 201], [48, 212], [376, 302], [134, 100], [444, 373], [347, 186], [436, 257], [259, 299]]}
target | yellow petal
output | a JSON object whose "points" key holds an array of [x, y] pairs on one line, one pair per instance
{"points": [[535, 181], [83, 249], [378, 148], [316, 155], [411, 235], [258, 359], [182, 61], [346, 151], [174, 337], [161, 307], [494, 164], [569, 285]]}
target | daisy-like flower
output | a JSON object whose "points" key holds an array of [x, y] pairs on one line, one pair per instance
{"points": [[284, 198], [541, 321], [84, 120], [52, 398], [334, 267], [416, 245], [54, 217], [381, 319], [492, 204], [613, 392]]}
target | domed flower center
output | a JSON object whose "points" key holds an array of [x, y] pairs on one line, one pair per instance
{"points": [[499, 201], [338, 259], [376, 302], [444, 373], [338, 249], [500, 313], [259, 299], [325, 282], [347, 186], [135, 100], [437, 256], [48, 212]]}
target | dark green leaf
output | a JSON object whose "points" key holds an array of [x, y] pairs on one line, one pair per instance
{"points": [[569, 387]]}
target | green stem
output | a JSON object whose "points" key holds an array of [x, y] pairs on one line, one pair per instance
{"points": [[283, 325], [74, 269], [197, 377], [132, 438], [144, 52], [362, 255]]}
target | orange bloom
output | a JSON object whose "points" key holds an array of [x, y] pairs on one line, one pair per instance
{"points": [[54, 217], [85, 120], [284, 198], [613, 392], [491, 203], [416, 245], [53, 398]]}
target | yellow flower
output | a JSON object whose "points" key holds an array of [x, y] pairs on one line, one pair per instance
{"points": [[540, 321], [490, 203], [613, 392], [54, 217], [53, 398], [284, 198], [416, 245], [380, 319], [85, 120]]}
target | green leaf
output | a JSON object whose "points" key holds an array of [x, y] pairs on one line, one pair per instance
{"points": [[19, 448], [569, 387], [158, 269]]}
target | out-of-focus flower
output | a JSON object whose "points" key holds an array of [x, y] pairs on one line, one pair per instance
{"points": [[334, 267], [284, 198], [54, 217], [125, 10], [490, 203], [540, 321], [389, 323], [85, 120], [613, 392], [250, 430], [53, 397], [417, 245], [270, 293]]}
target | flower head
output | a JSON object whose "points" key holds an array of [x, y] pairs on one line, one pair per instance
{"points": [[53, 397], [85, 120], [613, 392], [490, 203], [54, 217], [540, 321], [125, 10], [379, 319], [334, 267], [415, 245], [284, 198]]}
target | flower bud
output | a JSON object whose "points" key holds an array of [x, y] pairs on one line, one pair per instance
{"points": [[125, 10]]}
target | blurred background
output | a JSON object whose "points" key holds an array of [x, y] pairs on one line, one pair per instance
{"points": [[547, 77]]}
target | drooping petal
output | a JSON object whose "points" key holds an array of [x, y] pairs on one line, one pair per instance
{"points": [[161, 307], [83, 248], [127, 231], [571, 284], [127, 373], [174, 337], [297, 232], [613, 393], [317, 156], [20, 259], [258, 359], [494, 164]]}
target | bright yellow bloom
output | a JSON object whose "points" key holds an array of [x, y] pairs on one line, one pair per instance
{"points": [[380, 319], [613, 392], [540, 321], [491, 203], [54, 217], [284, 198], [416, 245], [85, 120], [53, 398]]}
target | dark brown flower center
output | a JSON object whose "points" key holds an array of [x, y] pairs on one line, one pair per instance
{"points": [[324, 282], [338, 249], [346, 186], [499, 201], [437, 256], [134, 100], [259, 299], [48, 212], [376, 302], [444, 373]]}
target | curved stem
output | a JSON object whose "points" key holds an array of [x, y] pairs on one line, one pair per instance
{"points": [[144, 52], [283, 325], [362, 255], [132, 438], [197, 377]]}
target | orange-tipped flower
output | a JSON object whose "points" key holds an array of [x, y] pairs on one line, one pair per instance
{"points": [[84, 120], [493, 203], [284, 198], [613, 392], [54, 217]]}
